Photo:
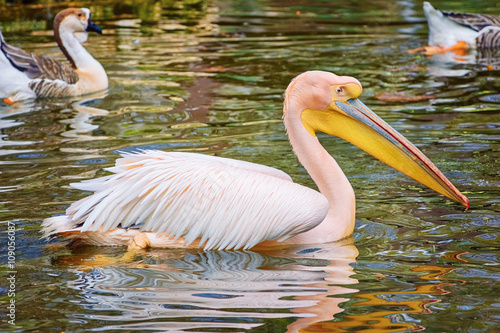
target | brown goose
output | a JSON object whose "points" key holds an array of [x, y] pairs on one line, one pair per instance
{"points": [[27, 75]]}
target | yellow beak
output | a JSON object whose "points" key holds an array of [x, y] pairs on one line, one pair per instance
{"points": [[353, 121]]}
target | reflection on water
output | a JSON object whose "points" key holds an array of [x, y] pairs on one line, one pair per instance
{"points": [[208, 77], [392, 311], [301, 289], [462, 63], [81, 125], [181, 291]]}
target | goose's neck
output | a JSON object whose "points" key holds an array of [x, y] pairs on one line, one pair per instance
{"points": [[331, 182], [72, 48], [89, 70]]}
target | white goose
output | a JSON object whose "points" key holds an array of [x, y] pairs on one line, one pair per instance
{"points": [[27, 75], [451, 31], [162, 199]]}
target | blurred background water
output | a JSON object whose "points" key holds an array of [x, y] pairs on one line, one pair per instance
{"points": [[208, 76]]}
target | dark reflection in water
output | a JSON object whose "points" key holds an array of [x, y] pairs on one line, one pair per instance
{"points": [[208, 77]]}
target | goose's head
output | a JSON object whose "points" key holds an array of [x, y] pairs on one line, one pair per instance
{"points": [[76, 21]]}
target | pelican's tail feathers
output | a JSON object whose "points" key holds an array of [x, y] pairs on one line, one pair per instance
{"points": [[57, 226]]}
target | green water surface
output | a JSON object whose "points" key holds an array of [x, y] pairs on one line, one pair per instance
{"points": [[208, 76]]}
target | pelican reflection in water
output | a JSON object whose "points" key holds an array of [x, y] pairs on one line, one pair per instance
{"points": [[174, 199], [177, 290], [303, 289]]}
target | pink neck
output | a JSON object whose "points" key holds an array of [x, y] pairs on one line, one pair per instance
{"points": [[331, 182]]}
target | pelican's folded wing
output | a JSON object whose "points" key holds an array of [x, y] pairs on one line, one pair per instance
{"points": [[225, 203], [36, 66]]}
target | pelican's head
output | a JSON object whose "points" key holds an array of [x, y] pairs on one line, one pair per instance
{"points": [[75, 20], [329, 103]]}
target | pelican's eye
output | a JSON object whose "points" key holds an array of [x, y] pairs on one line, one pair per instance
{"points": [[344, 92]]}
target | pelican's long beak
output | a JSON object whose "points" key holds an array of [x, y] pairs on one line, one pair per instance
{"points": [[353, 121]]}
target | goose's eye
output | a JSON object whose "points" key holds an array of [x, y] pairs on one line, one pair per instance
{"points": [[339, 90]]}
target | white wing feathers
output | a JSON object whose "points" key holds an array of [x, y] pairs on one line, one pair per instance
{"points": [[224, 202]]}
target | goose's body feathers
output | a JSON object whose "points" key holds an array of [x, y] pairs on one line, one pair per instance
{"points": [[36, 66]]}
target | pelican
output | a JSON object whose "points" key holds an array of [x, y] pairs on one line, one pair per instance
{"points": [[28, 75], [451, 31], [165, 199]]}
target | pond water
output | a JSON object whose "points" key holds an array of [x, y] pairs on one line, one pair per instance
{"points": [[208, 77]]}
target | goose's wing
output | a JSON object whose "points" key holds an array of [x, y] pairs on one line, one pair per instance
{"points": [[489, 38], [488, 27], [474, 21], [37, 66], [226, 203]]}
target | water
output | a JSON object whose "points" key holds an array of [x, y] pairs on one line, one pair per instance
{"points": [[208, 77]]}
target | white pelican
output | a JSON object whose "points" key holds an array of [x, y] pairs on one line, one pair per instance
{"points": [[28, 75], [163, 199], [453, 31]]}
